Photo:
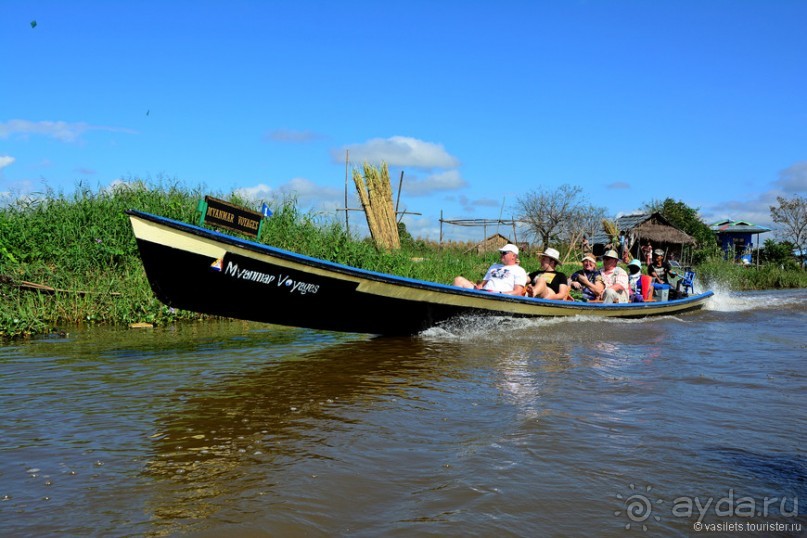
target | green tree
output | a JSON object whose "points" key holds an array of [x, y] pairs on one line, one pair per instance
{"points": [[685, 219], [406, 237], [777, 253]]}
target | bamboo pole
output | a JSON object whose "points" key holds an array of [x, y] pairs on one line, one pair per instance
{"points": [[373, 192], [48, 290], [361, 189], [376, 203], [387, 209], [347, 219], [400, 188], [575, 237]]}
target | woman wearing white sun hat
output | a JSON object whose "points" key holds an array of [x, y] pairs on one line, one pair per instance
{"points": [[547, 283]]}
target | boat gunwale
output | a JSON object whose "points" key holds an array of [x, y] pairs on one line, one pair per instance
{"points": [[319, 263]]}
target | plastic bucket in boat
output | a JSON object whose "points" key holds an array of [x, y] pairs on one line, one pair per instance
{"points": [[661, 292]]}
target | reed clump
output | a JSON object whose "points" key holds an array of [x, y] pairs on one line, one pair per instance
{"points": [[375, 194], [612, 230]]}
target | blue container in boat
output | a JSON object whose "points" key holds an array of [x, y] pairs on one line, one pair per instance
{"points": [[661, 292]]}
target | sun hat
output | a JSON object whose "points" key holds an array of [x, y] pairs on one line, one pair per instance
{"points": [[509, 247], [659, 252], [611, 254], [588, 257], [552, 254], [636, 263]]}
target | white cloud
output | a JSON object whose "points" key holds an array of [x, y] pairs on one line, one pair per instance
{"points": [[17, 191], [793, 178], [757, 208], [121, 184], [289, 135], [449, 180], [399, 151], [305, 188], [307, 193], [257, 192], [5, 160], [470, 205], [59, 130], [754, 209], [421, 227]]}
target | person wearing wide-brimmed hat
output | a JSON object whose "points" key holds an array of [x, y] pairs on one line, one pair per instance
{"points": [[506, 277], [547, 283], [588, 280], [615, 279]]}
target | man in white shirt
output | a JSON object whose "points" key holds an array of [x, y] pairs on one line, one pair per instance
{"points": [[615, 279], [506, 277]]}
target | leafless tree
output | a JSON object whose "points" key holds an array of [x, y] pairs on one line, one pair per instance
{"points": [[561, 214], [791, 214]]}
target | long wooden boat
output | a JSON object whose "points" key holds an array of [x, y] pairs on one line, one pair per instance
{"points": [[206, 271]]}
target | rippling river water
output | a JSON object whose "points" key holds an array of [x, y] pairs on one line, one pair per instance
{"points": [[509, 428]]}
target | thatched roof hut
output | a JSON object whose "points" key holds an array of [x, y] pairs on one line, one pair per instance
{"points": [[494, 243], [639, 228], [490, 244]]}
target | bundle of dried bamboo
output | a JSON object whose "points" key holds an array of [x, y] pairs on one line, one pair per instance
{"points": [[375, 193], [612, 230]]}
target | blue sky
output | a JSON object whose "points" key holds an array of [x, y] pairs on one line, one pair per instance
{"points": [[477, 103]]}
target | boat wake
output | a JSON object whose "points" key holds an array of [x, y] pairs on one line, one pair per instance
{"points": [[481, 327], [727, 300], [472, 328]]}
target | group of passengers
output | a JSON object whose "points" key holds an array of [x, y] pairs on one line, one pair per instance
{"points": [[609, 284]]}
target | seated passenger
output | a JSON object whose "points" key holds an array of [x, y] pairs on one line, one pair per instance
{"points": [[588, 279], [547, 283], [635, 280], [615, 279], [506, 277], [660, 270]]}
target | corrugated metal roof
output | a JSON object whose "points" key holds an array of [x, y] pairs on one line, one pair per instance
{"points": [[738, 226]]}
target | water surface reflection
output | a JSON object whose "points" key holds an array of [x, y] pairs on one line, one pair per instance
{"points": [[230, 438]]}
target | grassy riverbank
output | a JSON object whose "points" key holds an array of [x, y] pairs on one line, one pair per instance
{"points": [[81, 246]]}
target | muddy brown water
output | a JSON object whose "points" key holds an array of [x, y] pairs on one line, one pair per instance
{"points": [[494, 428]]}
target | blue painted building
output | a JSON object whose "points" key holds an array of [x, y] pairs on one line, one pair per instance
{"points": [[736, 238]]}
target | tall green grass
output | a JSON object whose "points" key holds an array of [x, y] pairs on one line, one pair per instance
{"points": [[738, 277], [83, 244]]}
